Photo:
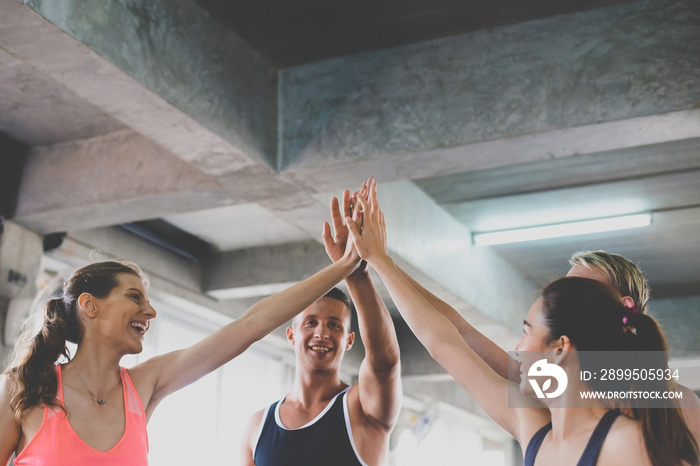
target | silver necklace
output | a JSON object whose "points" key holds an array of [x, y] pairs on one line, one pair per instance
{"points": [[100, 401]]}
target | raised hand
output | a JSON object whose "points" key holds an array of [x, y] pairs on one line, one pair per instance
{"points": [[336, 243], [370, 240]]}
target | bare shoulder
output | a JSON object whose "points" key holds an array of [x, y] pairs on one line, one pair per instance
{"points": [[691, 401], [251, 437], [252, 429], [691, 411], [255, 420], [624, 444], [529, 421], [9, 428]]}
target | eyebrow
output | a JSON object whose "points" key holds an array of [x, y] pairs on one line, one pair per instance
{"points": [[525, 322], [141, 293], [315, 316]]}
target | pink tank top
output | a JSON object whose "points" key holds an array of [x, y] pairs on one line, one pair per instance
{"points": [[56, 443]]}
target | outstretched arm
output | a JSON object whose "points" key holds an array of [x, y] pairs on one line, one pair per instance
{"points": [[434, 330], [487, 350], [379, 385], [162, 375]]}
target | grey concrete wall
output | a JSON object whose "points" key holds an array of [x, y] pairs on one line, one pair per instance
{"points": [[680, 321], [630, 60]]}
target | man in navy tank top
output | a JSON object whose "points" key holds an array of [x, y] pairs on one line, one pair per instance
{"points": [[322, 420]]}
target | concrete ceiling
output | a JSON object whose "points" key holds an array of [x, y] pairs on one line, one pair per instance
{"points": [[292, 33], [217, 128]]}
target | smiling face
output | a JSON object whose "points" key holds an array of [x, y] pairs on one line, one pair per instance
{"points": [[123, 317], [321, 335]]}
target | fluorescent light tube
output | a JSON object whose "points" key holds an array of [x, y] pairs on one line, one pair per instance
{"points": [[562, 229]]}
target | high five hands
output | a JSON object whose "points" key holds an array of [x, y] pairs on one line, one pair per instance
{"points": [[336, 243], [369, 237]]}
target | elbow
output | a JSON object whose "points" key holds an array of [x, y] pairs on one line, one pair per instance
{"points": [[386, 365], [439, 350], [251, 328], [385, 361]]}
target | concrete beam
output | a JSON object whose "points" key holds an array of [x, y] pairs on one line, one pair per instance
{"points": [[261, 271], [590, 169], [165, 68], [606, 79], [106, 180]]}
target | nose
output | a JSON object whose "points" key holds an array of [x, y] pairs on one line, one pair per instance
{"points": [[321, 332], [149, 311]]}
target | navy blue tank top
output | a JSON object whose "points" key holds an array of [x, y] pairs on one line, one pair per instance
{"points": [[592, 450], [327, 440]]}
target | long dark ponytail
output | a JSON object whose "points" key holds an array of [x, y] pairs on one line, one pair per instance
{"points": [[666, 434], [31, 373], [592, 315]]}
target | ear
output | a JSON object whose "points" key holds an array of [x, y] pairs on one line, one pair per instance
{"points": [[350, 341], [628, 302], [86, 303], [562, 347], [290, 335]]}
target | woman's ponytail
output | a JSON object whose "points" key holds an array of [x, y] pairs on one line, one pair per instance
{"points": [[668, 439], [32, 371]]}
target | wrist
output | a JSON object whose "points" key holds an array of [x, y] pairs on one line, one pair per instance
{"points": [[382, 262], [361, 273], [347, 263]]}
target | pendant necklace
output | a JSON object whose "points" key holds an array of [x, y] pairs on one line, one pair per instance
{"points": [[100, 401]]}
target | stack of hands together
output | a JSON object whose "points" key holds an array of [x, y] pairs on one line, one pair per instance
{"points": [[362, 222]]}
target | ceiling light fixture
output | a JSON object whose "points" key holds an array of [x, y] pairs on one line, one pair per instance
{"points": [[562, 229]]}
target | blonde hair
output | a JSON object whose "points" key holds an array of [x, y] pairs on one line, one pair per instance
{"points": [[623, 274]]}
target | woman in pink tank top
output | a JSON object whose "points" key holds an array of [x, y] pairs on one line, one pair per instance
{"points": [[91, 411]]}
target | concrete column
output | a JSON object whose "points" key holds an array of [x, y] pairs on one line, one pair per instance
{"points": [[20, 263]]}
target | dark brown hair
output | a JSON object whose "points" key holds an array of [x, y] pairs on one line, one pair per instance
{"points": [[31, 373], [592, 316]]}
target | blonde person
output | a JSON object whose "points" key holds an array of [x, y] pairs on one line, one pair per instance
{"points": [[613, 269], [573, 314], [91, 411]]}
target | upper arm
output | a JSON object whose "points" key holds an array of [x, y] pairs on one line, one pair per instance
{"points": [[379, 379], [379, 394], [9, 428], [250, 438]]}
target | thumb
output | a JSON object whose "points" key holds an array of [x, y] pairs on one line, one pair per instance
{"points": [[326, 231], [326, 236]]}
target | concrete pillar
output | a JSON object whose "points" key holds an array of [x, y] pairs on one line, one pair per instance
{"points": [[20, 263]]}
